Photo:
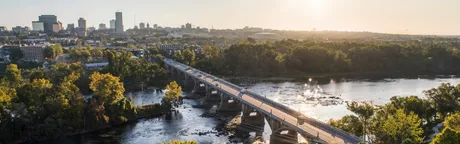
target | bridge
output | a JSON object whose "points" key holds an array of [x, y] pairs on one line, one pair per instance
{"points": [[286, 123]]}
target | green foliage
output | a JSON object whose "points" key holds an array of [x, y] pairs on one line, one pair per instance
{"points": [[188, 57], [341, 56], [179, 142], [135, 73], [13, 76], [364, 111], [445, 98], [107, 88], [81, 55], [399, 127], [172, 95], [349, 123], [53, 51], [451, 132], [59, 71], [35, 73]]}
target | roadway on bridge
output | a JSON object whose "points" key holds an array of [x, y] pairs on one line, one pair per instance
{"points": [[329, 137]]}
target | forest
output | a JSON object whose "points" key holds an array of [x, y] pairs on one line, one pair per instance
{"points": [[294, 58]]}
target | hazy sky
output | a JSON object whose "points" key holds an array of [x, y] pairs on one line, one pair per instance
{"points": [[388, 16]]}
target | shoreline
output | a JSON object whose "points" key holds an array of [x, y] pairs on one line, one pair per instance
{"points": [[296, 77], [99, 129]]}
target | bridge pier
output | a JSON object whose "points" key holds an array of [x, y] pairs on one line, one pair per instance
{"points": [[212, 94], [228, 104], [281, 134], [251, 121], [188, 82], [199, 88]]}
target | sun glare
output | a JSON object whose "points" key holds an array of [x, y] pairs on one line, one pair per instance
{"points": [[314, 8]]}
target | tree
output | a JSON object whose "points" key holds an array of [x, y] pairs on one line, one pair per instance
{"points": [[399, 128], [451, 132], [107, 88], [446, 99], [349, 123], [59, 71], [179, 142], [13, 76], [172, 95], [33, 95], [53, 51], [35, 73], [364, 111], [178, 56]]}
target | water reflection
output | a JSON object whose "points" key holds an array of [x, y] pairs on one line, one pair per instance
{"points": [[324, 98]]}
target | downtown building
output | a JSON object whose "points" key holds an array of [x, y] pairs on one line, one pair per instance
{"points": [[38, 26], [48, 22], [119, 22]]}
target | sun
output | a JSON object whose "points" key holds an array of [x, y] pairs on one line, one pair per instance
{"points": [[314, 8]]}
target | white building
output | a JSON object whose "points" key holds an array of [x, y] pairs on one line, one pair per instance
{"points": [[38, 26]]}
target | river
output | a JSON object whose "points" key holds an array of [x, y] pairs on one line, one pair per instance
{"points": [[303, 95]]}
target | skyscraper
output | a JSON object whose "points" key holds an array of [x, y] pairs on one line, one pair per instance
{"points": [[48, 21], [142, 25], [70, 27], [119, 22], [112, 24], [82, 23]]}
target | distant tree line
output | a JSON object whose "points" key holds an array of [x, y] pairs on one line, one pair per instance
{"points": [[288, 57]]}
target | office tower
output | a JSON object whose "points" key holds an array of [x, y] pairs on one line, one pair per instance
{"points": [[38, 26], [82, 23], [148, 25], [119, 22], [57, 27], [142, 25], [70, 27], [188, 26], [48, 21], [112, 24], [102, 26]]}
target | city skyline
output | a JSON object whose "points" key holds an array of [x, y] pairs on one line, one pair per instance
{"points": [[391, 16]]}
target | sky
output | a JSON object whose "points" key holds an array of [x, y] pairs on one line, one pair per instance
{"points": [[431, 17]]}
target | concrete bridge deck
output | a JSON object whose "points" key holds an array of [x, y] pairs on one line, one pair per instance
{"points": [[308, 127]]}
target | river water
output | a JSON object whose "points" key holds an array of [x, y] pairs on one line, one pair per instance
{"points": [[319, 98]]}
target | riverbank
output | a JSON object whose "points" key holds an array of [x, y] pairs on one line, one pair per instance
{"points": [[350, 75], [143, 112]]}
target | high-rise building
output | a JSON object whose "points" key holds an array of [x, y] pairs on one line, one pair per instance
{"points": [[148, 25], [112, 24], [119, 22], [155, 26], [102, 26], [3, 28], [70, 27], [48, 21], [142, 25], [82, 23], [57, 27], [188, 26], [38, 26]]}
